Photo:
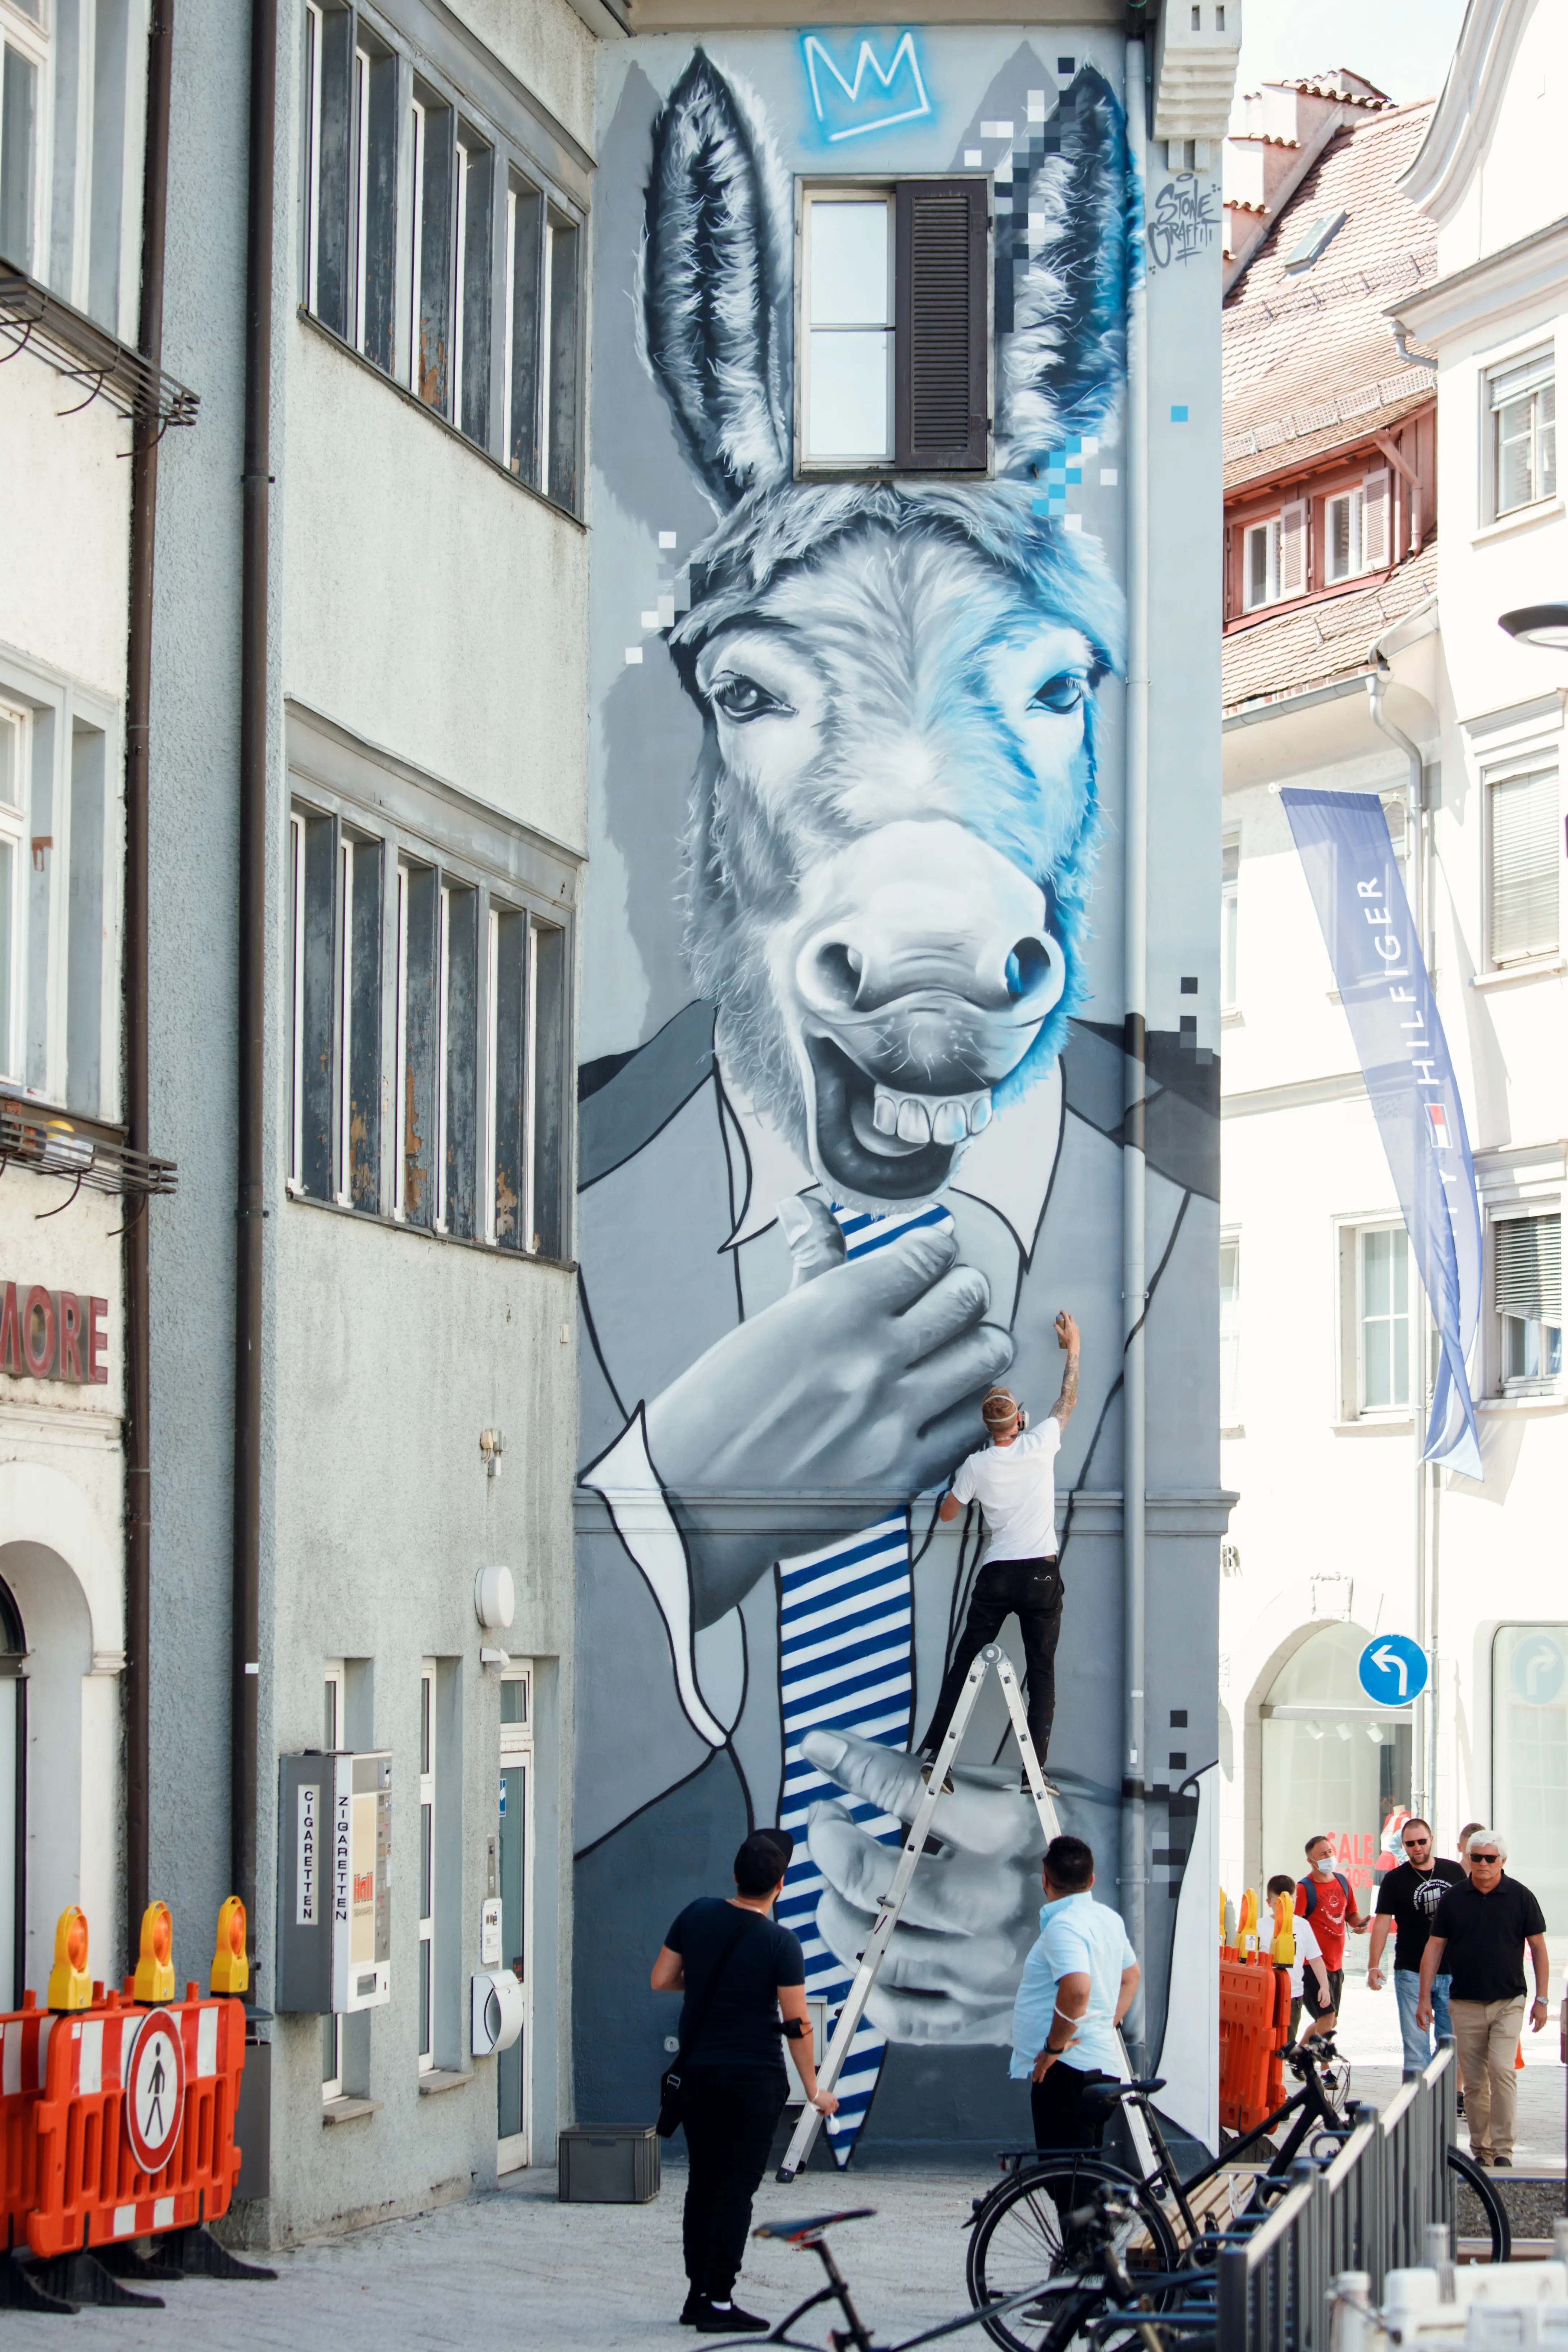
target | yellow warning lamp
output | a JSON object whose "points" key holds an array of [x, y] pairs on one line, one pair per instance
{"points": [[1246, 1922], [156, 1969], [71, 1980], [1282, 1950], [231, 1970]]}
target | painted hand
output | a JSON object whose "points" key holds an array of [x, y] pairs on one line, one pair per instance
{"points": [[952, 1964], [864, 1376]]}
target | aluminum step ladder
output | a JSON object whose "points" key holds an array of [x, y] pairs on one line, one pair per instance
{"points": [[992, 1658]]}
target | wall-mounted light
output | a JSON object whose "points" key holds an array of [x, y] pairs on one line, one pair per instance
{"points": [[493, 1445], [1542, 625], [495, 1599]]}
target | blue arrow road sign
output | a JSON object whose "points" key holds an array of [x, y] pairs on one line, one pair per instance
{"points": [[1393, 1669]]}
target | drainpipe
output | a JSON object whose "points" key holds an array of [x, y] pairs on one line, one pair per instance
{"points": [[133, 988], [1427, 1485], [1134, 1049], [254, 694]]}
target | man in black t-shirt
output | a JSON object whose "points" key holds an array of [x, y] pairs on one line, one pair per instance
{"points": [[1409, 1897], [1478, 1937], [741, 1974]]}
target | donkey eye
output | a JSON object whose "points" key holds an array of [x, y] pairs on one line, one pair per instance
{"points": [[743, 698], [1063, 692]]}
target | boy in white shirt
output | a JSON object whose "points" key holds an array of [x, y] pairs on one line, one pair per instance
{"points": [[1013, 1481], [1312, 1993]]}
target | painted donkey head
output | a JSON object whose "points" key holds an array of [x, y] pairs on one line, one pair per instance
{"points": [[894, 819]]}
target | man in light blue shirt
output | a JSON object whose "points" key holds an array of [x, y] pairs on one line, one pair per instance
{"points": [[1077, 1986]]}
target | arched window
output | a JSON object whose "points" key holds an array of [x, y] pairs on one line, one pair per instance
{"points": [[1333, 1764], [13, 1798]]}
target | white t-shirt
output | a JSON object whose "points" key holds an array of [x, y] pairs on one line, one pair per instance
{"points": [[1015, 1487], [1307, 1949]]}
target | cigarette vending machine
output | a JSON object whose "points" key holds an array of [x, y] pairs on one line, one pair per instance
{"points": [[334, 1875]]}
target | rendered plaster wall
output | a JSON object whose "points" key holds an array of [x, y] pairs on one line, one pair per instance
{"points": [[67, 497]]}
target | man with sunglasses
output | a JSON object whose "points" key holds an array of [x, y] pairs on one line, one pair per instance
{"points": [[1479, 1933], [1410, 1897]]}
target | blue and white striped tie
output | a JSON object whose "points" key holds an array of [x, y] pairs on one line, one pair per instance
{"points": [[846, 1635]]}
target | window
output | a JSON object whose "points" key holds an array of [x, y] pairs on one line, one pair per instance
{"points": [[1229, 887], [426, 1864], [1523, 858], [1229, 1330], [335, 918], [1522, 401], [526, 1024], [1529, 1760], [1355, 530], [1383, 1319], [1326, 1768], [333, 1738], [435, 985], [1302, 255], [1274, 558], [401, 254], [894, 319], [1526, 1291], [21, 114], [58, 903]]}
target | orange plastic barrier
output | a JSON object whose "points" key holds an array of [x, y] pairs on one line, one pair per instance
{"points": [[25, 2037], [1248, 2008], [1273, 2092], [135, 2126]]}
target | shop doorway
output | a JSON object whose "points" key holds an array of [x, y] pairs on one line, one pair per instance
{"points": [[1333, 1765], [514, 1847]]}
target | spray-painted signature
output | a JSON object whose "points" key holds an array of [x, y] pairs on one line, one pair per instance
{"points": [[1185, 215]]}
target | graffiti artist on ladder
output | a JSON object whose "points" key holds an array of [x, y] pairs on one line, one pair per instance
{"points": [[740, 1973], [1013, 1481]]}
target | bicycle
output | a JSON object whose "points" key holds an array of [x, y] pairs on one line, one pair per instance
{"points": [[1018, 2233]]}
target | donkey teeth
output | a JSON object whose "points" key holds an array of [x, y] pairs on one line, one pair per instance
{"points": [[913, 1121]]}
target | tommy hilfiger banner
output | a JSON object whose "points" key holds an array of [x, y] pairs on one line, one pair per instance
{"points": [[1370, 931]]}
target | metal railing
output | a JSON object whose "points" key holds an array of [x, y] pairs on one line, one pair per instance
{"points": [[1368, 2210]]}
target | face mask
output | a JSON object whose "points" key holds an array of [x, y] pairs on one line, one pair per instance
{"points": [[1322, 1865]]}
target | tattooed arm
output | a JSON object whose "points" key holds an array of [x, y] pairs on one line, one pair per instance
{"points": [[1066, 1336]]}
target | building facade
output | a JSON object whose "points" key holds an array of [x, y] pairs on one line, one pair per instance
{"points": [[1415, 264], [72, 392], [879, 504], [369, 743]]}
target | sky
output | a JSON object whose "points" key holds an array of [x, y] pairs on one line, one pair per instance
{"points": [[1403, 46]]}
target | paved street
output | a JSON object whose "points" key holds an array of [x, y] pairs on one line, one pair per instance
{"points": [[537, 2273], [1369, 2036]]}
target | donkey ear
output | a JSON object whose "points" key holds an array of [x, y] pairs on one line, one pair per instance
{"points": [[1062, 267], [707, 296]]}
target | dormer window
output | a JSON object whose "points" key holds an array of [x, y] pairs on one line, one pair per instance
{"points": [[1274, 558], [1355, 530]]}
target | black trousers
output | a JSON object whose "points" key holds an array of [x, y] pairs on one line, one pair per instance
{"points": [[1061, 2117], [729, 2115], [1030, 1589]]}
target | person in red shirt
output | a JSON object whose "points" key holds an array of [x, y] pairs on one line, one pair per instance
{"points": [[1324, 1897]]}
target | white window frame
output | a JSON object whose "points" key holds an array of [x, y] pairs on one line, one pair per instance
{"points": [[867, 192], [1230, 1403], [364, 62], [1352, 501], [334, 1679], [20, 32], [1544, 354], [313, 32], [1522, 1384], [400, 1051], [1230, 926], [1286, 535], [1268, 530], [1533, 762], [297, 1005], [426, 1755], [1396, 1409], [517, 1746], [443, 1008], [14, 834]]}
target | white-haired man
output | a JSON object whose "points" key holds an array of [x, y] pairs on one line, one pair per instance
{"points": [[1478, 1941]]}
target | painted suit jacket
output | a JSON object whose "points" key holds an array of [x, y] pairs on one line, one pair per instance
{"points": [[678, 1241]]}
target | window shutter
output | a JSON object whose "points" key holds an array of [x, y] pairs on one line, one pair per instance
{"points": [[1529, 1267], [1525, 860], [939, 405], [1293, 550], [1375, 522]]}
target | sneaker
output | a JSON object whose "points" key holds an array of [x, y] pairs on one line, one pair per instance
{"points": [[928, 1766], [1502, 2164], [727, 2319], [1051, 1788], [1479, 2156], [690, 2307]]}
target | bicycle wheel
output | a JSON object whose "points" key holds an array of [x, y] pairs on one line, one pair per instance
{"points": [[1466, 2170], [1020, 2239]]}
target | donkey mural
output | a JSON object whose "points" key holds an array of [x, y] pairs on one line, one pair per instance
{"points": [[811, 1202]]}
